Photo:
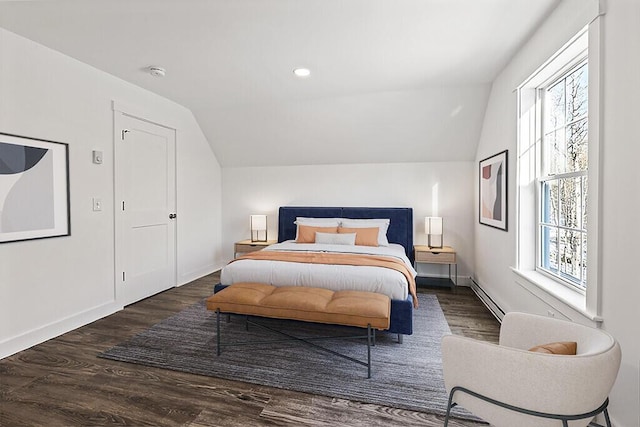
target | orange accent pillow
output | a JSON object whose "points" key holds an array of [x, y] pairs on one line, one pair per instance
{"points": [[568, 348], [364, 236], [307, 233]]}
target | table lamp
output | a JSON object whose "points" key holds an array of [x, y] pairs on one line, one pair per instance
{"points": [[258, 225], [433, 229]]}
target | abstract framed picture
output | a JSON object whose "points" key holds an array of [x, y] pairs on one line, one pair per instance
{"points": [[493, 190], [34, 188]]}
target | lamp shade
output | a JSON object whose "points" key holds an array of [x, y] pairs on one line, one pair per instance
{"points": [[258, 222], [433, 225]]}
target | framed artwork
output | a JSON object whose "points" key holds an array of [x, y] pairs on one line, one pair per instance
{"points": [[34, 188], [493, 190]]}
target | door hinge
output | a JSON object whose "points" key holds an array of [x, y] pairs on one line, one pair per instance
{"points": [[123, 205], [123, 132], [123, 276]]}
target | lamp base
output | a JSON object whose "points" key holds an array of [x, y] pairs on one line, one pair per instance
{"points": [[255, 236], [434, 240]]}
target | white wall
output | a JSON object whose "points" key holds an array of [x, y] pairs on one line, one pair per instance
{"points": [[252, 190], [363, 127], [50, 286], [621, 199], [619, 173]]}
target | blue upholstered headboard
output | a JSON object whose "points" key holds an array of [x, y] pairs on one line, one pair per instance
{"points": [[400, 226]]}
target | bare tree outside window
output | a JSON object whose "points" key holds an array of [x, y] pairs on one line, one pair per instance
{"points": [[563, 198]]}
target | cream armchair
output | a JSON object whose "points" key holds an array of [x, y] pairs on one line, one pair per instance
{"points": [[507, 385]]}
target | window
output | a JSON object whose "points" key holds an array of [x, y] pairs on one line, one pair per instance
{"points": [[563, 189], [558, 167]]}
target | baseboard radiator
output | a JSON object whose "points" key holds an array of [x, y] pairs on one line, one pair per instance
{"points": [[487, 300]]}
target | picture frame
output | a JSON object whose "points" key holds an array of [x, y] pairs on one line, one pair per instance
{"points": [[493, 181], [34, 188]]}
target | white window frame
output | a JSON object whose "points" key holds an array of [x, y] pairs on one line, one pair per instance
{"points": [[546, 287]]}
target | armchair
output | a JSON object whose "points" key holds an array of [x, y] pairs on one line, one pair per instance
{"points": [[507, 385]]}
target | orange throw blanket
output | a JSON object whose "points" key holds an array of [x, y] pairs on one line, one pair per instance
{"points": [[340, 259]]}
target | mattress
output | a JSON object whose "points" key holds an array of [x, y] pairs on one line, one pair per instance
{"points": [[335, 277]]}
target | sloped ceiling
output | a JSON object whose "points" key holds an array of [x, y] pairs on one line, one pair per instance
{"points": [[391, 80]]}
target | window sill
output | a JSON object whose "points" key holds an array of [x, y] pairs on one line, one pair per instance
{"points": [[572, 303]]}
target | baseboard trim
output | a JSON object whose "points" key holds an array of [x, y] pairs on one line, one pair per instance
{"points": [[198, 273], [494, 308], [44, 333]]}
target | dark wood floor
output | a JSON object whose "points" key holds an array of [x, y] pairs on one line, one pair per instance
{"points": [[62, 383]]}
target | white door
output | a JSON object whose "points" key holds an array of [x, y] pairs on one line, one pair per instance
{"points": [[145, 195]]}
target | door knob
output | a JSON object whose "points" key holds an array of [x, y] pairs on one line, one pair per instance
{"points": [[172, 216]]}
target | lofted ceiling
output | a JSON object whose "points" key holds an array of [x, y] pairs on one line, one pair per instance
{"points": [[391, 80]]}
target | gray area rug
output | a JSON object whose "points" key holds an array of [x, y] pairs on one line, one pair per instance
{"points": [[407, 375]]}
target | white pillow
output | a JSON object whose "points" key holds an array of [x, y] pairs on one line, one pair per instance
{"points": [[324, 222], [382, 224], [336, 239]]}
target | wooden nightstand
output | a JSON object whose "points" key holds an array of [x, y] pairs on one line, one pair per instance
{"points": [[246, 246], [443, 255]]}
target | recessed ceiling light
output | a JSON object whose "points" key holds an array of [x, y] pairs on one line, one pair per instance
{"points": [[302, 72]]}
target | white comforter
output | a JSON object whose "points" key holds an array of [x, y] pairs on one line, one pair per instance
{"points": [[335, 277]]}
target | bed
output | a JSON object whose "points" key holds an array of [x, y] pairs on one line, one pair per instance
{"points": [[400, 238]]}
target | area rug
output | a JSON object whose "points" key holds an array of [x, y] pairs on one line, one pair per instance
{"points": [[407, 375]]}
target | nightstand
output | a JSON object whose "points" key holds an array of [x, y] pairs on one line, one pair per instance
{"points": [[246, 246], [443, 255]]}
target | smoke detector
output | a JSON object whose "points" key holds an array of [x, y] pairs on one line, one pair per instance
{"points": [[157, 71]]}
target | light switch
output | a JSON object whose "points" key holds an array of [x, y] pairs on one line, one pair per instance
{"points": [[97, 204], [97, 157]]}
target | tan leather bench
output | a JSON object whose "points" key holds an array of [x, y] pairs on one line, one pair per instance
{"points": [[350, 308]]}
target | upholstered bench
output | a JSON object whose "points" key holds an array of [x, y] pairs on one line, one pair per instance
{"points": [[349, 308]]}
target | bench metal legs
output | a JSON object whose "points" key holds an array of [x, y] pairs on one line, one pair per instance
{"points": [[218, 332], [371, 341]]}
